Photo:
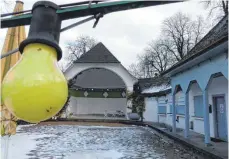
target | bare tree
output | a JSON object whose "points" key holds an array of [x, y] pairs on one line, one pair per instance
{"points": [[154, 60], [158, 57], [181, 33], [61, 66], [77, 48], [141, 69], [199, 29], [6, 6], [136, 71], [145, 65], [218, 8]]}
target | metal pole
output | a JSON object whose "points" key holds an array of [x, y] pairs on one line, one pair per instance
{"points": [[81, 22], [9, 53], [77, 23]]}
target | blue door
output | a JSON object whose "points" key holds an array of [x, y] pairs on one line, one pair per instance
{"points": [[221, 122]]}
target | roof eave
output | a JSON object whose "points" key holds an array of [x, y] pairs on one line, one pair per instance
{"points": [[161, 93]]}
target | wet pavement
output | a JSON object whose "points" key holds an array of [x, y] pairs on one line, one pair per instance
{"points": [[95, 142]]}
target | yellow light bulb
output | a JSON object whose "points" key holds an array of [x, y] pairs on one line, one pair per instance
{"points": [[35, 89]]}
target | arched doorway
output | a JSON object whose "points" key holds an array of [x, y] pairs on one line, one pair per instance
{"points": [[196, 108]]}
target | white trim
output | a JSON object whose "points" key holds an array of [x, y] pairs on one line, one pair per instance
{"points": [[183, 116], [197, 118]]}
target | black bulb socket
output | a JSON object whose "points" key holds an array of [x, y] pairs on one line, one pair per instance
{"points": [[45, 26]]}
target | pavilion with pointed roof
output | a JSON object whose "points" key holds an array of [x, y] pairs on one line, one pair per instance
{"points": [[99, 85]]}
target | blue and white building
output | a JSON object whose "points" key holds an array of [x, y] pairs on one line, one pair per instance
{"points": [[197, 95]]}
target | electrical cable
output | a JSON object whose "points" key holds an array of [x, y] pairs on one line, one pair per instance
{"points": [[9, 53]]}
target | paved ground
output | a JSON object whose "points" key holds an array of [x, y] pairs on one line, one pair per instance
{"points": [[112, 141], [217, 148]]}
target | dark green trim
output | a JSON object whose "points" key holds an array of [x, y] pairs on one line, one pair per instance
{"points": [[100, 89], [96, 94], [75, 93]]}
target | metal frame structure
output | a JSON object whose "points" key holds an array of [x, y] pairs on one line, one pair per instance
{"points": [[83, 9], [77, 10]]}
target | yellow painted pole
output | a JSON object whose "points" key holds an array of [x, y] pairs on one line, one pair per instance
{"points": [[13, 38]]}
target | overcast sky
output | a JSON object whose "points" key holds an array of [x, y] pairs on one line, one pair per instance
{"points": [[124, 33]]}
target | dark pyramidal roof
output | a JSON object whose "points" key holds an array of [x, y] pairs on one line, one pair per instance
{"points": [[98, 54]]}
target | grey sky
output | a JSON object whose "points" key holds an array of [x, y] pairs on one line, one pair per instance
{"points": [[124, 33]]}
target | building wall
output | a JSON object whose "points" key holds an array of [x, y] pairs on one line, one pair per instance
{"points": [[169, 119], [181, 122], [150, 113], [198, 125], [162, 118], [80, 105]]}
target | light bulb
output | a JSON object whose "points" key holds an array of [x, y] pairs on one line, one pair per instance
{"points": [[35, 89]]}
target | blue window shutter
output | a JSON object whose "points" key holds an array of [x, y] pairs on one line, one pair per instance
{"points": [[171, 108], [162, 109], [161, 105], [180, 109], [198, 106], [180, 105]]}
